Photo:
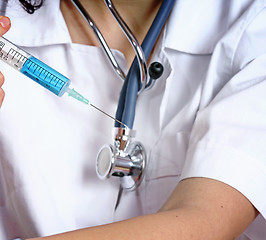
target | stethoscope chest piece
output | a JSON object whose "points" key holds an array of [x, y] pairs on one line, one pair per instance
{"points": [[125, 159]]}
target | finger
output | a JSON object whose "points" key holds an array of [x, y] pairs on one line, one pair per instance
{"points": [[2, 79], [4, 24], [2, 95]]}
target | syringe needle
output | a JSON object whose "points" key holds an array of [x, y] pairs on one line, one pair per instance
{"points": [[109, 115], [78, 96]]}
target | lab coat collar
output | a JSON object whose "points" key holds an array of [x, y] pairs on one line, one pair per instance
{"points": [[188, 30], [45, 27]]}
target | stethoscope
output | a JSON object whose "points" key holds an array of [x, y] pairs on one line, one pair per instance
{"points": [[126, 158]]}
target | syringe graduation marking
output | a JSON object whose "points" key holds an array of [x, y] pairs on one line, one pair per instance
{"points": [[14, 57], [44, 75], [2, 44], [37, 70]]}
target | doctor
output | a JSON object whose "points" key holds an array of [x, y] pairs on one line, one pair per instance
{"points": [[202, 124]]}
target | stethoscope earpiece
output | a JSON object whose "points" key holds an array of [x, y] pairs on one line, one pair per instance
{"points": [[155, 71]]}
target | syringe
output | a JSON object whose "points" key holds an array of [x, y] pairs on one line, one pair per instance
{"points": [[40, 72], [37, 70]]}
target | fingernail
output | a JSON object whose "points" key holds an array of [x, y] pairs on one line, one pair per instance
{"points": [[4, 21]]}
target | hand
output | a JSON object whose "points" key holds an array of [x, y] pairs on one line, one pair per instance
{"points": [[4, 27], [2, 93]]}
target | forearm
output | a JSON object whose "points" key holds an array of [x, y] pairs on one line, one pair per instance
{"points": [[198, 209], [177, 224]]}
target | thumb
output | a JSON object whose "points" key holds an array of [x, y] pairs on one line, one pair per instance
{"points": [[4, 24]]}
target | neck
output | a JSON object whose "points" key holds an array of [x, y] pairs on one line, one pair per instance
{"points": [[138, 14]]}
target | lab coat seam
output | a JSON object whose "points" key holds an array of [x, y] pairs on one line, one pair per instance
{"points": [[168, 166], [240, 37], [164, 57], [171, 175], [231, 44]]}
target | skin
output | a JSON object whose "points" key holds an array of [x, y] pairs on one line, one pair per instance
{"points": [[4, 27], [137, 14], [199, 208]]}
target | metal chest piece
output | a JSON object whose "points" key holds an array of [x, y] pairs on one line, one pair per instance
{"points": [[126, 159]]}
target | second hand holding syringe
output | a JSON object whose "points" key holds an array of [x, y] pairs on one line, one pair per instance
{"points": [[40, 72]]}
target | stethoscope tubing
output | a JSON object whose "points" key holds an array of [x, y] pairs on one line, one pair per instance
{"points": [[133, 83], [100, 38], [129, 93], [134, 43]]}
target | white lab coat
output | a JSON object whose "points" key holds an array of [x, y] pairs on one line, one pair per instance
{"points": [[205, 117]]}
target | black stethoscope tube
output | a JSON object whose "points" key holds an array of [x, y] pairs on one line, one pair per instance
{"points": [[129, 93]]}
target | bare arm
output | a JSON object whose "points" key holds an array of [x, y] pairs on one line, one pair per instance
{"points": [[199, 208]]}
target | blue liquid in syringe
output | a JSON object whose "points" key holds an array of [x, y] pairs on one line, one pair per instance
{"points": [[45, 76]]}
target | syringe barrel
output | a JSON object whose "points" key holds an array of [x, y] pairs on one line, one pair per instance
{"points": [[33, 68]]}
